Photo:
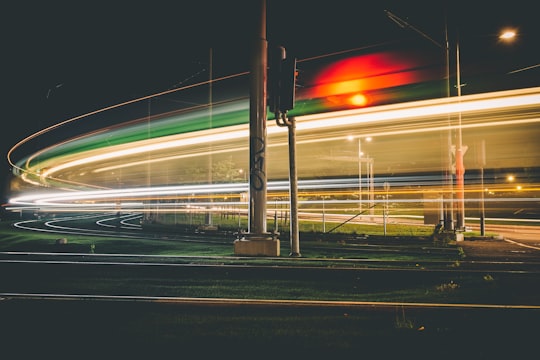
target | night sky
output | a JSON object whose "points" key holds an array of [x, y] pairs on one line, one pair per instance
{"points": [[63, 59]]}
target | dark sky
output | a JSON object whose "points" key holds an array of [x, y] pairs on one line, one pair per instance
{"points": [[62, 59]]}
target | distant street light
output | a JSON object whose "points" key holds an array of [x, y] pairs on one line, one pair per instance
{"points": [[507, 35], [324, 213], [460, 153], [369, 173], [385, 211], [480, 150], [448, 215], [510, 35]]}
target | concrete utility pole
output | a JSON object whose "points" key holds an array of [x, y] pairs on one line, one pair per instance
{"points": [[481, 162], [448, 201], [460, 152], [258, 242], [448, 198], [257, 128]]}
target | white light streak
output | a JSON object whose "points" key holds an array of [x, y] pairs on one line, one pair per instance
{"points": [[341, 120], [403, 111]]}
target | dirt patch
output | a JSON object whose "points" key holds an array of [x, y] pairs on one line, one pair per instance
{"points": [[497, 250]]}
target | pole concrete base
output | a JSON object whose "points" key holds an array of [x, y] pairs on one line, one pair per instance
{"points": [[449, 235], [257, 246]]}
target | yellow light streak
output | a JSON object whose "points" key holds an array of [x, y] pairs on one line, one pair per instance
{"points": [[419, 109], [340, 122], [168, 158], [50, 128], [225, 192]]}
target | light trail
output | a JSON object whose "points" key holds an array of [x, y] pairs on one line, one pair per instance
{"points": [[97, 199], [422, 109], [335, 120], [264, 302], [56, 229], [50, 128], [125, 224], [411, 138]]}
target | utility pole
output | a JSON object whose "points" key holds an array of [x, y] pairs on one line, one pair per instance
{"points": [[460, 152], [481, 162], [448, 205], [448, 202], [258, 242], [257, 128]]}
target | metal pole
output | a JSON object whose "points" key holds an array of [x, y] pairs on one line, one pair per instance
{"points": [[360, 175], [371, 189], [323, 216], [208, 215], [257, 128], [448, 206], [482, 207], [460, 167], [293, 181], [385, 212], [481, 161]]}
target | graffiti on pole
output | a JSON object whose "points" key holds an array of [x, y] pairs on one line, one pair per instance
{"points": [[257, 173]]}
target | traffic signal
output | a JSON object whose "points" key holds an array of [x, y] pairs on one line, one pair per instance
{"points": [[281, 81]]}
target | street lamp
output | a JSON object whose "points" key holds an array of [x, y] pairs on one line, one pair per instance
{"points": [[460, 149], [385, 211], [507, 35], [481, 163], [369, 173], [460, 152], [324, 213], [449, 203]]}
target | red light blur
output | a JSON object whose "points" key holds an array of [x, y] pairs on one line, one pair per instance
{"points": [[349, 81]]}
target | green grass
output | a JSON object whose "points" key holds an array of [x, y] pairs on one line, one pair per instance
{"points": [[156, 329], [13, 239], [119, 329], [325, 252], [322, 250]]}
